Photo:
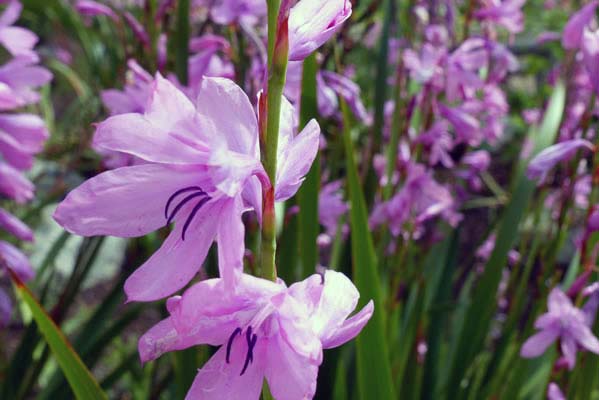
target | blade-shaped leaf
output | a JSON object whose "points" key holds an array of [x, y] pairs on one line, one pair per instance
{"points": [[308, 194], [374, 371], [483, 305], [84, 386]]}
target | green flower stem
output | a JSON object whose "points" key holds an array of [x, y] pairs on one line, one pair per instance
{"points": [[278, 51]]}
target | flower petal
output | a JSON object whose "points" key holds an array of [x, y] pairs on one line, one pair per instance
{"points": [[225, 113], [218, 380], [16, 261], [231, 241], [573, 30], [313, 22], [14, 185], [568, 346], [350, 328], [290, 376], [177, 261], [538, 343], [15, 226], [125, 202], [295, 161], [138, 135], [162, 338]]}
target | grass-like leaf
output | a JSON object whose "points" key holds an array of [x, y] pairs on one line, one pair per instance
{"points": [[82, 382]]}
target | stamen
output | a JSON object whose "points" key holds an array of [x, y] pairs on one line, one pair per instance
{"points": [[236, 332], [251, 341], [182, 203], [178, 192], [192, 214]]}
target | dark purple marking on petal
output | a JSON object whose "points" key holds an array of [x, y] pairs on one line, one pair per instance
{"points": [[192, 214], [177, 193], [182, 203], [251, 341], [236, 332]]}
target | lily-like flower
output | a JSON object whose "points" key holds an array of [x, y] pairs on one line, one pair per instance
{"points": [[265, 329], [312, 23], [565, 322], [202, 171], [542, 163]]}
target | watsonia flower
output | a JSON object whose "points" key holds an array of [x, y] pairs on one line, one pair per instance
{"points": [[202, 171], [565, 322], [265, 330]]}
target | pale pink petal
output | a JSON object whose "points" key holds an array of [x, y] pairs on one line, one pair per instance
{"points": [[125, 202], [17, 40], [219, 380], [339, 298], [290, 376], [177, 261], [227, 114], [350, 328], [16, 261], [11, 13], [220, 305], [15, 226], [295, 161], [538, 343], [138, 135], [166, 336], [231, 241], [312, 23], [293, 322]]}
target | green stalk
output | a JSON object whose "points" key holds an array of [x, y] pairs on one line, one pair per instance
{"points": [[182, 40], [278, 51]]}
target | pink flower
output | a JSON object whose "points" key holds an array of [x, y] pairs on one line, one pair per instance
{"points": [[565, 322], [265, 330], [312, 23], [202, 170]]}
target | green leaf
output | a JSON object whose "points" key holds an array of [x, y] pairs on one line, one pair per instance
{"points": [[308, 225], [373, 367], [483, 305], [182, 40], [79, 377]]}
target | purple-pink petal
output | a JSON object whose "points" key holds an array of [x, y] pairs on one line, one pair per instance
{"points": [[312, 23], [572, 34], [16, 261], [177, 261], [350, 328], [15, 226], [542, 163], [125, 202], [538, 343]]}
